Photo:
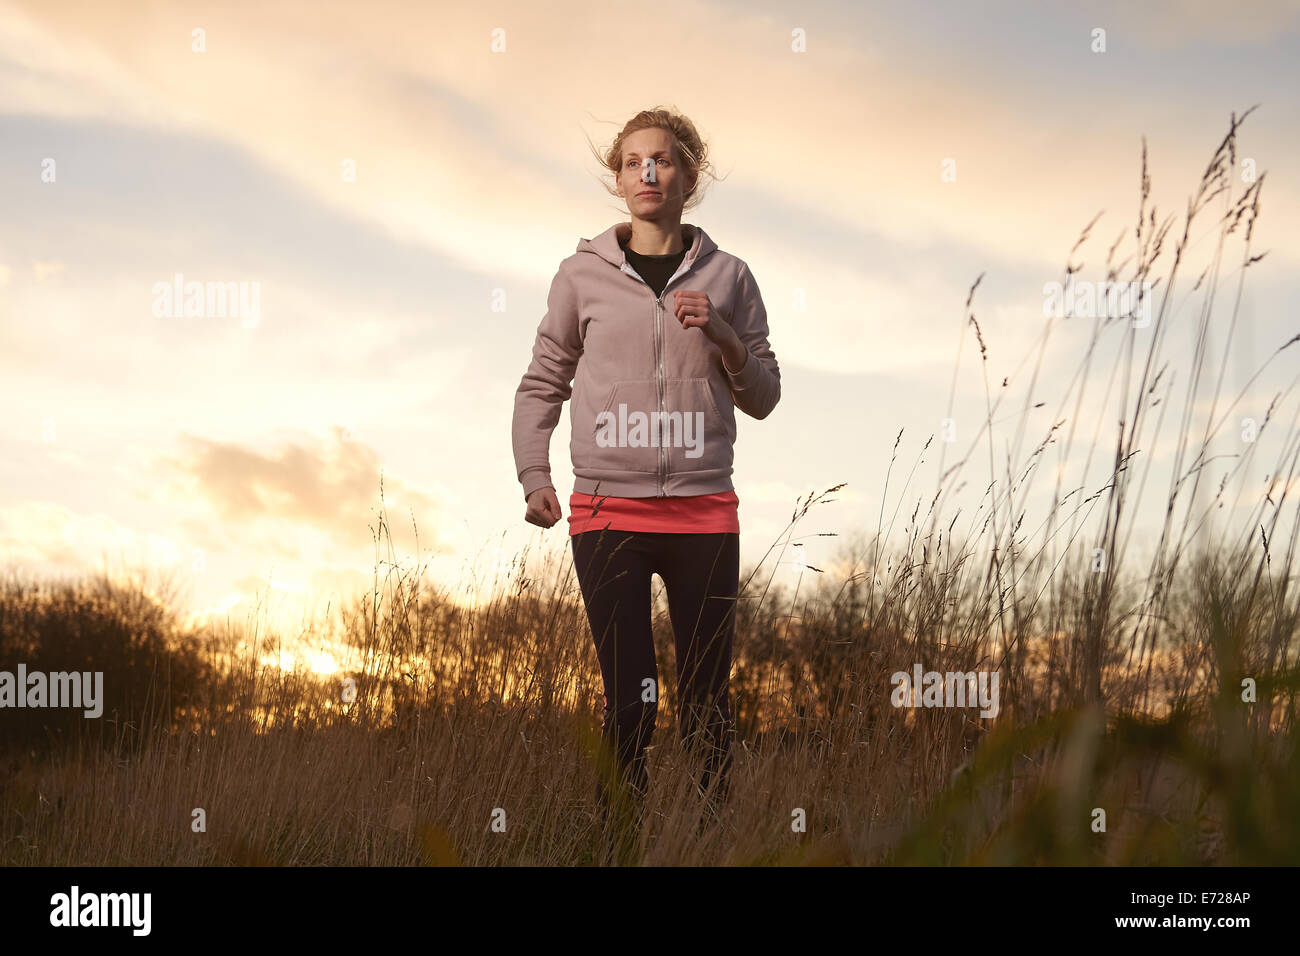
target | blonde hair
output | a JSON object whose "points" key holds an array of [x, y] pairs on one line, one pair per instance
{"points": [[691, 149]]}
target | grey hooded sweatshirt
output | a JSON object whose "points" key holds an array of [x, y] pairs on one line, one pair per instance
{"points": [[652, 413]]}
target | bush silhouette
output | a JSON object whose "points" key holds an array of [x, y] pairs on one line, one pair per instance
{"points": [[151, 675]]}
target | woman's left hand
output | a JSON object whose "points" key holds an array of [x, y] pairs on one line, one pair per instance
{"points": [[694, 310]]}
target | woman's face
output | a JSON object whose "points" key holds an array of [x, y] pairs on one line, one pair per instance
{"points": [[663, 198]]}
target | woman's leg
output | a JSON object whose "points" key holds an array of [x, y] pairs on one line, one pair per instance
{"points": [[701, 573], [613, 569]]}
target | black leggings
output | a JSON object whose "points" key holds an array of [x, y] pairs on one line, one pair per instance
{"points": [[700, 573]]}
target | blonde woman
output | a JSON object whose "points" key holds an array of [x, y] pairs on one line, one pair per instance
{"points": [[658, 335]]}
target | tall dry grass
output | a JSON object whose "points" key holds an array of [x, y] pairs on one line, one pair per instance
{"points": [[1121, 684]]}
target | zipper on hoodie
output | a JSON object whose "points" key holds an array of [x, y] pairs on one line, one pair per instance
{"points": [[659, 358]]}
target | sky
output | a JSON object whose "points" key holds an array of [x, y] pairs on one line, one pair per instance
{"points": [[394, 185]]}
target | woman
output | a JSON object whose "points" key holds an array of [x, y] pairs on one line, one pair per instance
{"points": [[660, 333]]}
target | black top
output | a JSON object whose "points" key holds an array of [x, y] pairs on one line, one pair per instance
{"points": [[656, 270]]}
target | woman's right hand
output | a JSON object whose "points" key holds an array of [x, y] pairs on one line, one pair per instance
{"points": [[543, 507]]}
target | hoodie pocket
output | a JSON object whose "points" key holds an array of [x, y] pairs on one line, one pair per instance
{"points": [[618, 438], [697, 436]]}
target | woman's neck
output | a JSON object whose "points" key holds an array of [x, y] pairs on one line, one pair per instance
{"points": [[651, 238]]}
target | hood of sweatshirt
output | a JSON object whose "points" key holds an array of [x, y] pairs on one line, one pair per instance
{"points": [[607, 244]]}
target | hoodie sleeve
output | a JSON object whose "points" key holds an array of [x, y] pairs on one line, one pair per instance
{"points": [[546, 385], [756, 388]]}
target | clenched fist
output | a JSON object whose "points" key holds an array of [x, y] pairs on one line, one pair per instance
{"points": [[543, 507]]}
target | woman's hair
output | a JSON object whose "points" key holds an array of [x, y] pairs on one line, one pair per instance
{"points": [[691, 150]]}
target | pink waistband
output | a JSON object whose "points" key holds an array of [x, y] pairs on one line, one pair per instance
{"points": [[689, 514]]}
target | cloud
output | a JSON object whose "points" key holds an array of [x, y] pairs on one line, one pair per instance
{"points": [[44, 535], [444, 152], [312, 497]]}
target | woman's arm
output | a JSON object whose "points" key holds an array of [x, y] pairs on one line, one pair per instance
{"points": [[756, 385], [546, 385]]}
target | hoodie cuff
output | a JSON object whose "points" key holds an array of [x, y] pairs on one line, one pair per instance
{"points": [[534, 478], [747, 375]]}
